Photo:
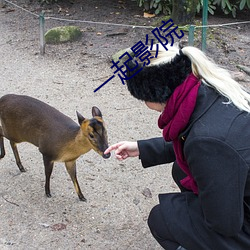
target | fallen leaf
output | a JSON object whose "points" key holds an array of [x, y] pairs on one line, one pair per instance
{"points": [[136, 201], [58, 227], [147, 193], [148, 15]]}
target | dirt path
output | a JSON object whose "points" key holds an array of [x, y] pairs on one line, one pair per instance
{"points": [[115, 215], [118, 199]]}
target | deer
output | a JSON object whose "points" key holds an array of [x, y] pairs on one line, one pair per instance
{"points": [[58, 137]]}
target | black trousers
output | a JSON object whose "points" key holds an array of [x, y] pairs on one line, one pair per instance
{"points": [[156, 222], [179, 221]]}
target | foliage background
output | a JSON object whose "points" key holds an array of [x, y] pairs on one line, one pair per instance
{"points": [[165, 6], [227, 6]]}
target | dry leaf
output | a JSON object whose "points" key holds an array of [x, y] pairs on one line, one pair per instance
{"points": [[147, 15], [147, 193], [58, 227]]}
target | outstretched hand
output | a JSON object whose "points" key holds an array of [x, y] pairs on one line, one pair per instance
{"points": [[124, 150]]}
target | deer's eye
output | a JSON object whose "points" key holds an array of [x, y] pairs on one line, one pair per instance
{"points": [[91, 136]]}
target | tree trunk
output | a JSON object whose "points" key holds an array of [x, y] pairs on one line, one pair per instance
{"points": [[183, 11]]}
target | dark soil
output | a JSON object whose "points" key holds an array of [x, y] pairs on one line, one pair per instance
{"points": [[228, 45]]}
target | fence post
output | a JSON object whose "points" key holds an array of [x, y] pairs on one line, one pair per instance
{"points": [[191, 35], [42, 31], [204, 24]]}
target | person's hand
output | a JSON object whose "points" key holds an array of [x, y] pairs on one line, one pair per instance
{"points": [[124, 150]]}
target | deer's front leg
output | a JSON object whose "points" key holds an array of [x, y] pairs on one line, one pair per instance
{"points": [[71, 168], [48, 165]]}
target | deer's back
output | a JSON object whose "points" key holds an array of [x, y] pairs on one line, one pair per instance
{"points": [[24, 118]]}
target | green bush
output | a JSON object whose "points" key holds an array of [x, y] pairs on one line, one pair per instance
{"points": [[232, 6], [156, 6], [165, 6], [211, 7]]}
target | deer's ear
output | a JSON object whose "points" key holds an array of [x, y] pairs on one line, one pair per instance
{"points": [[80, 118], [96, 112]]}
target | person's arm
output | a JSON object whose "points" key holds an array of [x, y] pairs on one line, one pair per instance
{"points": [[151, 152], [155, 151], [220, 173]]}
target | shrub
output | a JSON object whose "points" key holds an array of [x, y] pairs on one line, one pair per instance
{"points": [[165, 6], [157, 6]]}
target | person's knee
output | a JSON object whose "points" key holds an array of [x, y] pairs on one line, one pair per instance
{"points": [[156, 223], [159, 229], [153, 218]]}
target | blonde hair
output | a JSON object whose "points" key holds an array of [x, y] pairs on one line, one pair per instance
{"points": [[210, 73]]}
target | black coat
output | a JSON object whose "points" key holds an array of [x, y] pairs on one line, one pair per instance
{"points": [[216, 145]]}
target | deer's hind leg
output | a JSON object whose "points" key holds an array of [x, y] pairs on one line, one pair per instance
{"points": [[71, 168], [1, 144], [18, 161]]}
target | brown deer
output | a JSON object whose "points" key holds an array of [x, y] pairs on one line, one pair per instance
{"points": [[59, 139]]}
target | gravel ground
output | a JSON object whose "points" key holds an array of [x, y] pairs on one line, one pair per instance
{"points": [[119, 194]]}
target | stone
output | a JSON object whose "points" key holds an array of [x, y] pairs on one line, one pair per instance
{"points": [[63, 34], [116, 56]]}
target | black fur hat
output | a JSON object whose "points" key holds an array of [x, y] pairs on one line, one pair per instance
{"points": [[157, 82]]}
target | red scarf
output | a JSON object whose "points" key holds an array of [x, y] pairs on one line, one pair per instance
{"points": [[175, 118]]}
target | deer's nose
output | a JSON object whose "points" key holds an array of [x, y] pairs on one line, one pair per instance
{"points": [[106, 156]]}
